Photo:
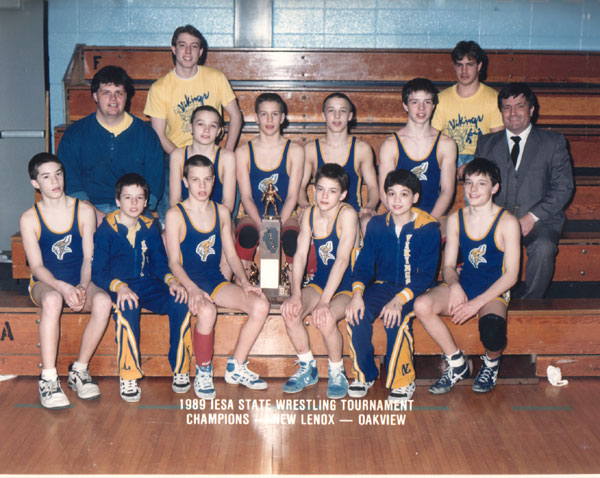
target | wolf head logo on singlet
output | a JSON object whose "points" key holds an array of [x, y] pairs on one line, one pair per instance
{"points": [[477, 256], [325, 252], [205, 248], [61, 247], [270, 180], [420, 170]]}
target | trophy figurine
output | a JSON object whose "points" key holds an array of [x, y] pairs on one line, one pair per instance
{"points": [[270, 245]]}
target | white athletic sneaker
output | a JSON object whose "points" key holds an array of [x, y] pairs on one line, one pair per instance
{"points": [[240, 374], [402, 394], [203, 383], [359, 389], [130, 392], [82, 383], [51, 394], [181, 382]]}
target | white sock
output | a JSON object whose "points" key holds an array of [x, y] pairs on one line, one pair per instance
{"points": [[79, 366], [49, 373], [306, 357], [336, 365], [457, 359], [489, 362]]}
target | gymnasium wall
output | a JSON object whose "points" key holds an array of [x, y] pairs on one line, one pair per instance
{"points": [[514, 24]]}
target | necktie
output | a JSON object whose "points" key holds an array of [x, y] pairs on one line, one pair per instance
{"points": [[514, 152]]}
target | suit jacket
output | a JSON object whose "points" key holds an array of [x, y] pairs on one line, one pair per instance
{"points": [[543, 185]]}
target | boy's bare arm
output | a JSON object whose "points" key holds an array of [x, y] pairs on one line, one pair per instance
{"points": [[296, 170], [447, 152], [387, 162], [310, 161], [87, 221], [229, 176], [243, 178], [159, 125], [301, 255], [175, 176], [369, 176], [348, 220], [229, 247], [235, 124]]}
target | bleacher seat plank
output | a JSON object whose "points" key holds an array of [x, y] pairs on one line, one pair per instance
{"points": [[552, 327], [324, 65], [570, 365], [373, 104]]}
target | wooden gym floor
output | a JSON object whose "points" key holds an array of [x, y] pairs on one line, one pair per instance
{"points": [[516, 429]]}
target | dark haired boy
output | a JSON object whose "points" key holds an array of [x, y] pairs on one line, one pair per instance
{"points": [[172, 98], [61, 273], [332, 226], [269, 158], [130, 263], [198, 233], [467, 109], [400, 253], [338, 147], [489, 240], [421, 149], [101, 147]]}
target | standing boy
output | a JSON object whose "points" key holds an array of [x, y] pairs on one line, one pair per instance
{"points": [[172, 98], [467, 109], [268, 159], [131, 264], [339, 147], [197, 231], [489, 239], [60, 264], [332, 226], [401, 252], [422, 149]]}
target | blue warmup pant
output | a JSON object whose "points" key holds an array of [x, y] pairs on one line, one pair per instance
{"points": [[153, 295], [400, 344]]}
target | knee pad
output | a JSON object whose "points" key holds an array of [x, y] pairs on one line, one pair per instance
{"points": [[289, 242], [247, 237], [492, 332]]}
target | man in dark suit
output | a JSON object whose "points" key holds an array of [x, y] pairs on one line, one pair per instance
{"points": [[536, 181]]}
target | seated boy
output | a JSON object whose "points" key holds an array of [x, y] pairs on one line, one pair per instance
{"points": [[268, 159], [197, 231], [339, 147], [207, 129], [60, 264], [401, 252], [489, 240], [332, 226], [131, 264]]}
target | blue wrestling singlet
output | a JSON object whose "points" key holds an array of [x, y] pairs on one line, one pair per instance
{"points": [[259, 178], [427, 170], [354, 197]]}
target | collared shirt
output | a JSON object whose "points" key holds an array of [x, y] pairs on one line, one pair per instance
{"points": [[524, 135]]}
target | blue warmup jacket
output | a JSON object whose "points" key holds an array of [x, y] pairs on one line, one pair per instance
{"points": [[410, 261], [116, 262], [94, 159]]}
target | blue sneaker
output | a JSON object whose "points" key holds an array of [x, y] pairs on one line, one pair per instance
{"points": [[241, 375], [305, 376], [203, 383], [451, 376], [337, 387], [486, 378]]}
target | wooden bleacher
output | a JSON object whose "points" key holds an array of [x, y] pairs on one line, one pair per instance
{"points": [[568, 88]]}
